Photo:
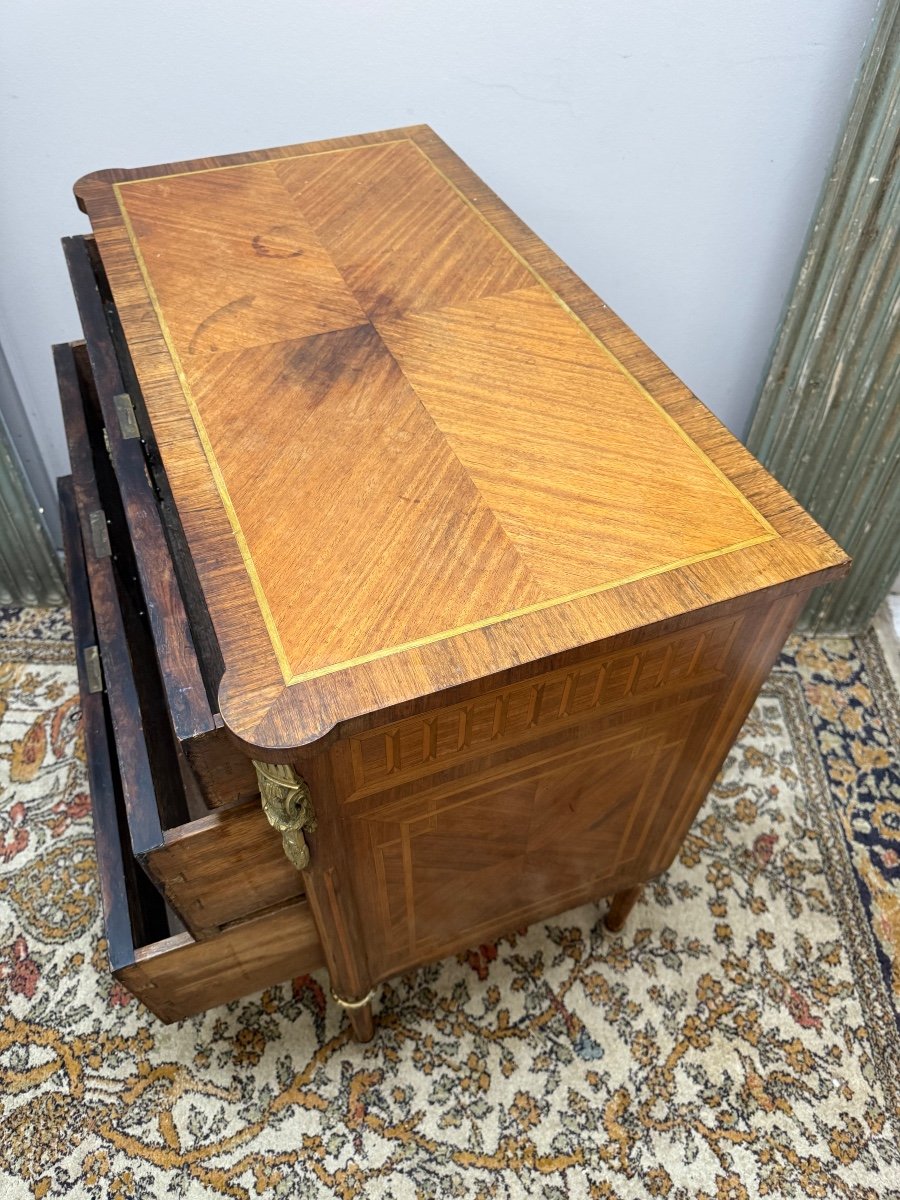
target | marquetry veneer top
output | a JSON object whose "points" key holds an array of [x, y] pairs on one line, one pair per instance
{"points": [[408, 446]]}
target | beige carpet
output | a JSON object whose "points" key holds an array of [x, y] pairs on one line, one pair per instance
{"points": [[739, 1039]]}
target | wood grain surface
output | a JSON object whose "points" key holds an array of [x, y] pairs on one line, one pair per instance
{"points": [[409, 448]]}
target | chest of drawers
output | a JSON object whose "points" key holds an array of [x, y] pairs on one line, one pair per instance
{"points": [[378, 513]]}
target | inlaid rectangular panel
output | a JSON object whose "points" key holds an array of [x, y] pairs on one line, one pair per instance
{"points": [[529, 835]]}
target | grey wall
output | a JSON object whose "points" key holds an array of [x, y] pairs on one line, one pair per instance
{"points": [[671, 150]]}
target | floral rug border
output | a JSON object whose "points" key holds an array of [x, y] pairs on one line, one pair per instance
{"points": [[881, 1016]]}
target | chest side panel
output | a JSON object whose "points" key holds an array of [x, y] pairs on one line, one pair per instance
{"points": [[513, 716], [486, 815]]}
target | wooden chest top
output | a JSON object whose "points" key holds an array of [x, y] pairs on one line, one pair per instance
{"points": [[408, 447]]}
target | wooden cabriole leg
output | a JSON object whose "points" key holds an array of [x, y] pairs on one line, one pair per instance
{"points": [[621, 905]]}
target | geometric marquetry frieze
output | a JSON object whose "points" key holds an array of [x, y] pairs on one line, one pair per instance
{"points": [[421, 745]]}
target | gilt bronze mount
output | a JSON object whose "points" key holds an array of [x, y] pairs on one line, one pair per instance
{"points": [[288, 807]]}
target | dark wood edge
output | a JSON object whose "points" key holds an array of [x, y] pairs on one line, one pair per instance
{"points": [[172, 637], [114, 895], [152, 723], [206, 643], [138, 787]]}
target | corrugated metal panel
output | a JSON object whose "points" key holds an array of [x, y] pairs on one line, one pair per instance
{"points": [[827, 423], [29, 569]]}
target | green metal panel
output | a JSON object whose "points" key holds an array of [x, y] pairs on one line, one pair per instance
{"points": [[29, 569], [827, 423]]}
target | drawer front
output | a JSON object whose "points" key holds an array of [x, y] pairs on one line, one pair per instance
{"points": [[224, 866], [171, 972], [178, 977]]}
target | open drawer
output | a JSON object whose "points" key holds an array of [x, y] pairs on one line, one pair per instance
{"points": [[212, 866], [174, 974], [180, 634]]}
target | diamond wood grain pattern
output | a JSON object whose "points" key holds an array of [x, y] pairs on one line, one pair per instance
{"points": [[400, 234], [394, 497], [544, 419], [408, 447], [267, 285], [504, 409]]}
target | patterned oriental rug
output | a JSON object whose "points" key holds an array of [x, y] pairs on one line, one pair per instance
{"points": [[738, 1039]]}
